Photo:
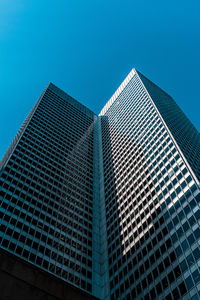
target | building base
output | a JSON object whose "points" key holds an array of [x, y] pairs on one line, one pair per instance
{"points": [[21, 280]]}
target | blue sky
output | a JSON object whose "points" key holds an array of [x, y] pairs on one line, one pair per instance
{"points": [[88, 47]]}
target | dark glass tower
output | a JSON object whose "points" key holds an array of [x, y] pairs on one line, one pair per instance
{"points": [[47, 189], [108, 204]]}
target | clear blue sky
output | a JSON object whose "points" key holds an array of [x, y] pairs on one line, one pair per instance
{"points": [[88, 47]]}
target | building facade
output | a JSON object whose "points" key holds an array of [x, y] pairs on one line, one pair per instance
{"points": [[108, 204], [47, 189]]}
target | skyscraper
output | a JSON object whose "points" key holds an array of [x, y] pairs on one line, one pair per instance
{"points": [[108, 204]]}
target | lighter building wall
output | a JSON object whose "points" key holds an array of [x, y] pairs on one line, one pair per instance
{"points": [[148, 185]]}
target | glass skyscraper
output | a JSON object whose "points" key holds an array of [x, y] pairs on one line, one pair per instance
{"points": [[108, 204]]}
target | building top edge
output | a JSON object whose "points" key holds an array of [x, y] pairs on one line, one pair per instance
{"points": [[117, 92], [143, 76], [69, 98]]}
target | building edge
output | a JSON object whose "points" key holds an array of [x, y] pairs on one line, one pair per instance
{"points": [[117, 92], [170, 133], [20, 132]]}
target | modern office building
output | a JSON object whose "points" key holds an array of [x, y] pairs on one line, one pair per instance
{"points": [[102, 206]]}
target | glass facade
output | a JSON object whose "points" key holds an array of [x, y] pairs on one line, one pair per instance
{"points": [[47, 189], [185, 134], [151, 198], [109, 203]]}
